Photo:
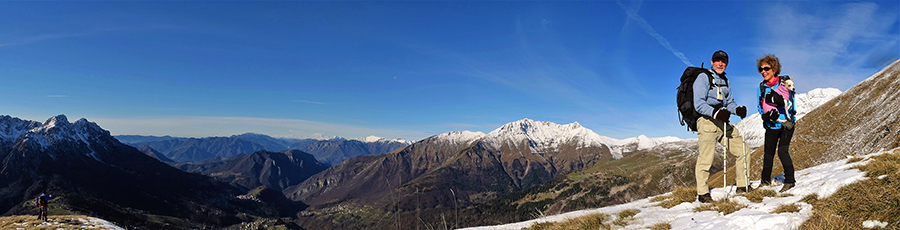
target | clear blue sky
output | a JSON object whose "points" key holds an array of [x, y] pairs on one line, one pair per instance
{"points": [[413, 69]]}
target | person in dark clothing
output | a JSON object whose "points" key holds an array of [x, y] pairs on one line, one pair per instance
{"points": [[42, 202], [776, 105]]}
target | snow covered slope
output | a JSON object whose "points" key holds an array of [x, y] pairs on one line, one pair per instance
{"points": [[822, 180], [752, 129], [638, 143], [374, 139], [460, 137], [56, 222]]}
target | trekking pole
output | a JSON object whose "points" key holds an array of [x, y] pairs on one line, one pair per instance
{"points": [[725, 160], [746, 164]]}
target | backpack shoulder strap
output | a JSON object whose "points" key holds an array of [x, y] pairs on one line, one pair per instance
{"points": [[762, 90], [711, 84]]}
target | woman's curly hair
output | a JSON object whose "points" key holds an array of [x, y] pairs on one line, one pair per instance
{"points": [[772, 61]]}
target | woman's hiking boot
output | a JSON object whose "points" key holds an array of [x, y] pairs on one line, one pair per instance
{"points": [[787, 186], [744, 189]]}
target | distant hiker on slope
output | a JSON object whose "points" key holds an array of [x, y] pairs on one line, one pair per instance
{"points": [[715, 104], [776, 105], [41, 202]]}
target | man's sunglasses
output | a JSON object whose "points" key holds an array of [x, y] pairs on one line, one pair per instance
{"points": [[765, 68]]}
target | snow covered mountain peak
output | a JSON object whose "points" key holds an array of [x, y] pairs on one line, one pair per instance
{"points": [[543, 136], [460, 137], [619, 147], [374, 139], [58, 128], [806, 102], [61, 119], [539, 129], [13, 127]]}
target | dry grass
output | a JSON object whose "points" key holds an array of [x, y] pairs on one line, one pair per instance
{"points": [[587, 222], [53, 223], [872, 199], [757, 195], [724, 206], [680, 195], [661, 226], [786, 208], [625, 216], [658, 198], [810, 199], [628, 213], [855, 159]]}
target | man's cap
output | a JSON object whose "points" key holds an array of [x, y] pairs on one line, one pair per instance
{"points": [[720, 55]]}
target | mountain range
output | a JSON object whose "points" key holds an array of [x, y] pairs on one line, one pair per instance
{"points": [[275, 170], [93, 173], [462, 168], [331, 151]]}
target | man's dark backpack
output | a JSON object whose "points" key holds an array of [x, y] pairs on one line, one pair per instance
{"points": [[685, 96]]}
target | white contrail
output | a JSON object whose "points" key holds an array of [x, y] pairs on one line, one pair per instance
{"points": [[632, 13]]}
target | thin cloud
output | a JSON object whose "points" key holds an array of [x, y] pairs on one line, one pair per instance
{"points": [[548, 78], [43, 37], [225, 126], [311, 102], [830, 49], [632, 14], [64, 35]]}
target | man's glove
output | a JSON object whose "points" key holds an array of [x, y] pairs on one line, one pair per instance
{"points": [[741, 111], [721, 114], [770, 116], [775, 98]]}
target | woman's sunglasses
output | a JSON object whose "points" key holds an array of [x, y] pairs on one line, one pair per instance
{"points": [[765, 68]]}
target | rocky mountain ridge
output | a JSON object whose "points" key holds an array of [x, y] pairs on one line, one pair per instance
{"points": [[331, 151], [92, 172]]}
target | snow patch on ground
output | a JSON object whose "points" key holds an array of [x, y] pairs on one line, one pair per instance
{"points": [[59, 222], [874, 223]]}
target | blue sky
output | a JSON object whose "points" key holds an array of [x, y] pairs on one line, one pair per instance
{"points": [[413, 69]]}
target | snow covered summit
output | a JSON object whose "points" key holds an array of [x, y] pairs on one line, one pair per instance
{"points": [[543, 136], [58, 128], [13, 127], [374, 139]]}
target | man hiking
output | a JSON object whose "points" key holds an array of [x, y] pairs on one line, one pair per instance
{"points": [[715, 104]]}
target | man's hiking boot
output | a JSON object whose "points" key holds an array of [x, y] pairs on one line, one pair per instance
{"points": [[705, 198], [744, 189], [764, 183], [787, 186]]}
